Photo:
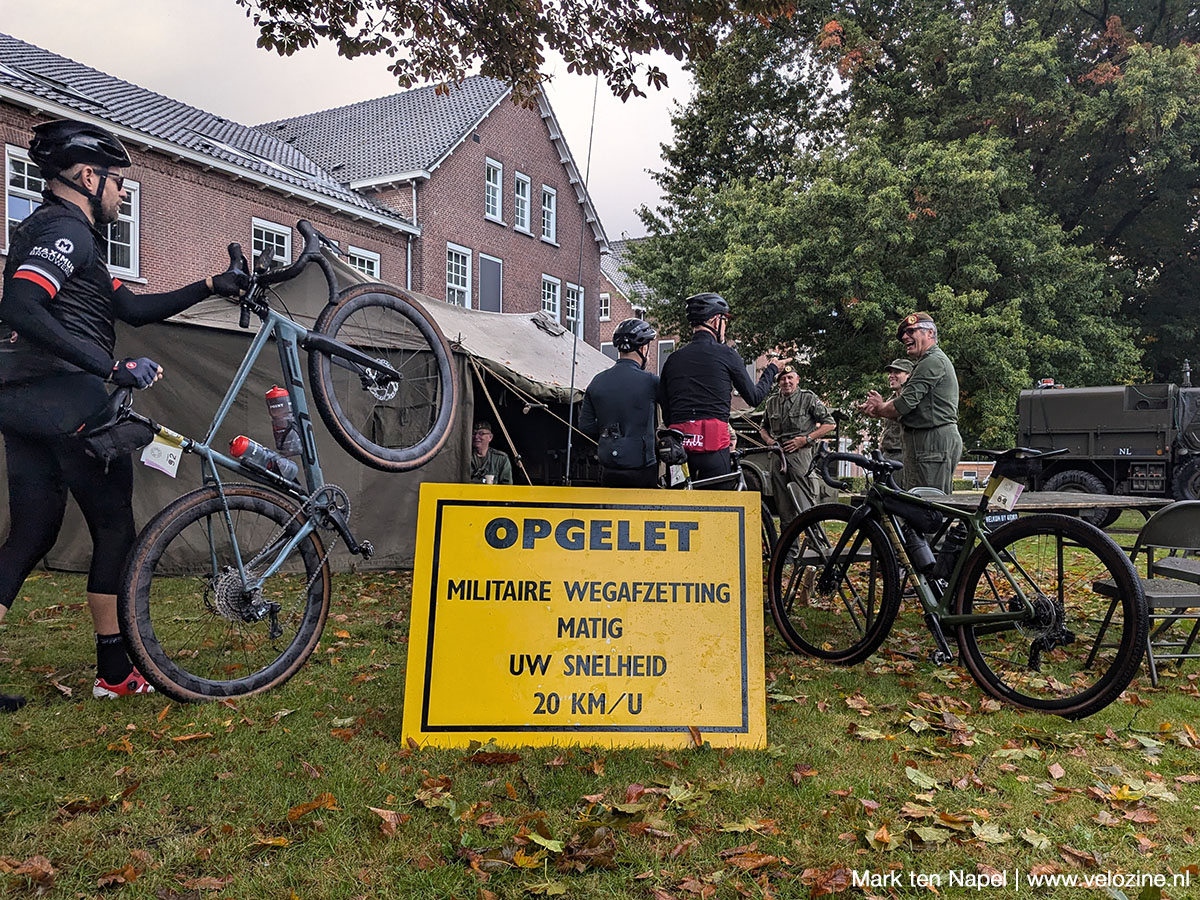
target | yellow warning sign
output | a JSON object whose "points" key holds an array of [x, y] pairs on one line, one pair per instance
{"points": [[577, 615]]}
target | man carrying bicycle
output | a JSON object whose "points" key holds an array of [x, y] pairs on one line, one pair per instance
{"points": [[57, 337], [697, 384], [619, 412]]}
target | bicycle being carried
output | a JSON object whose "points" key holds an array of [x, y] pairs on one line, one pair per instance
{"points": [[1020, 600], [227, 589], [678, 477]]}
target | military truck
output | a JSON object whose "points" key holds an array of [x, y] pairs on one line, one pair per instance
{"points": [[1132, 439]]}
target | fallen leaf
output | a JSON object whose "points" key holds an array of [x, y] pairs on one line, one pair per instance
{"points": [[391, 820], [322, 801], [1056, 771], [192, 737]]}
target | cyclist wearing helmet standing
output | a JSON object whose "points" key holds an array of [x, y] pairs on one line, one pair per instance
{"points": [[57, 336], [618, 411], [698, 381]]}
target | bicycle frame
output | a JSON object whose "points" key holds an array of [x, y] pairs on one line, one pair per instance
{"points": [[939, 608]]}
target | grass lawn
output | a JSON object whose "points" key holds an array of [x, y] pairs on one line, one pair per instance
{"points": [[311, 792]]}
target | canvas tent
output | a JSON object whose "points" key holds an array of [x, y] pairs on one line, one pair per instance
{"points": [[524, 359]]}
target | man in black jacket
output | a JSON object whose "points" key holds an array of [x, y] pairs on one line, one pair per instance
{"points": [[618, 411], [697, 384]]}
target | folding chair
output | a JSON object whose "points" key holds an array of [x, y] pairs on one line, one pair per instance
{"points": [[1171, 582]]}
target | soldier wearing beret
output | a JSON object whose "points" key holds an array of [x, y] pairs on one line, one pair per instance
{"points": [[795, 419], [927, 407], [891, 442]]}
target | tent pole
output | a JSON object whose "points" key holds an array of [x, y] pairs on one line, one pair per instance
{"points": [[500, 421]]}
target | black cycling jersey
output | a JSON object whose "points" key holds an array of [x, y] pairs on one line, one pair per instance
{"points": [[60, 303], [698, 380], [618, 410]]}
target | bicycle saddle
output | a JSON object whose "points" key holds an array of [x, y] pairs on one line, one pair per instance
{"points": [[114, 409]]}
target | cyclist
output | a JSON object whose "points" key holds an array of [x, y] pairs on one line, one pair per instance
{"points": [[698, 381], [618, 411], [57, 337]]}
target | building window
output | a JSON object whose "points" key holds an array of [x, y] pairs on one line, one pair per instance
{"points": [[366, 261], [609, 349], [549, 214], [458, 275], [551, 288], [604, 308], [23, 188], [574, 310], [121, 240], [273, 236], [521, 192], [665, 349], [494, 181], [491, 283]]}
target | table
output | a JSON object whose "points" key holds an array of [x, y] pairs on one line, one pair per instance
{"points": [[1062, 501]]}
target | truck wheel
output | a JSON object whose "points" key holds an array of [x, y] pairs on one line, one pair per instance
{"points": [[1186, 483], [1077, 481]]}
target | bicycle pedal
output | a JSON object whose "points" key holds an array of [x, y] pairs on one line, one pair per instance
{"points": [[366, 549], [941, 658]]}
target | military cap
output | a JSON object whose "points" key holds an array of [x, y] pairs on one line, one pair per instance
{"points": [[789, 369], [899, 365], [911, 320]]}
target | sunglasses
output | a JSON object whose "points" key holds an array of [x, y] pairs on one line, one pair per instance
{"points": [[118, 180]]}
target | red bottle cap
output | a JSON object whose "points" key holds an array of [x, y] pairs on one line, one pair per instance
{"points": [[276, 392], [239, 445]]}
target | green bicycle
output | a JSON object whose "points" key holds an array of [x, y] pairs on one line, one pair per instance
{"points": [[1018, 599]]}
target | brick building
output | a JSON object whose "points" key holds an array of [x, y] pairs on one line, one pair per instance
{"points": [[463, 195]]}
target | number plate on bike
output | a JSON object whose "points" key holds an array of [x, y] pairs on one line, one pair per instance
{"points": [[1004, 492]]}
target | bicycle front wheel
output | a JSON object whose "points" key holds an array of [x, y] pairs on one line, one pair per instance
{"points": [[1083, 641], [839, 610], [769, 534], [193, 626], [388, 424]]}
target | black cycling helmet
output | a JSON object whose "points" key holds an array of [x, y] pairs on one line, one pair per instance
{"points": [[702, 307], [62, 143], [633, 333]]}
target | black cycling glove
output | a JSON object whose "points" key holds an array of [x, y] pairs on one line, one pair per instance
{"points": [[230, 283], [135, 373]]}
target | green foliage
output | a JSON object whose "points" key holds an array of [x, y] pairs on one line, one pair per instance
{"points": [[833, 262], [507, 40]]}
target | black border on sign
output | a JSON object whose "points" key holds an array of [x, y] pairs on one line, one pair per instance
{"points": [[740, 512]]}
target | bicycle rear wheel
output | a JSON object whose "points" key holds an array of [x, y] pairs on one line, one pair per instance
{"points": [[839, 612], [190, 625], [1085, 639], [392, 425]]}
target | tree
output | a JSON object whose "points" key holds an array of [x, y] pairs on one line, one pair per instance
{"points": [[834, 261], [1029, 169], [443, 40]]}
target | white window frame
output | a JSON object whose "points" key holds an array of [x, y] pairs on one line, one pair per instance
{"points": [[554, 293], [12, 153], [604, 309], [521, 220], [605, 346], [370, 257], [465, 251], [268, 227], [495, 259], [134, 219], [662, 357], [575, 323], [549, 215], [493, 190]]}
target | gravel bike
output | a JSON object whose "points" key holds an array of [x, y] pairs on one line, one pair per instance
{"points": [[1019, 599], [227, 589]]}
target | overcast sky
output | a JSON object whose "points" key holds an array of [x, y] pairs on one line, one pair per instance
{"points": [[203, 52]]}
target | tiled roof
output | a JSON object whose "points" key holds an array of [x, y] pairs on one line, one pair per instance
{"points": [[611, 264], [64, 82], [406, 132]]}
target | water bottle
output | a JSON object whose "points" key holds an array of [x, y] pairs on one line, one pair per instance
{"points": [[918, 548], [283, 421], [254, 455], [952, 544]]}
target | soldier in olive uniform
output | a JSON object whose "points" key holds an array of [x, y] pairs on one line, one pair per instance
{"points": [[488, 466], [796, 420], [891, 442], [927, 407]]}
